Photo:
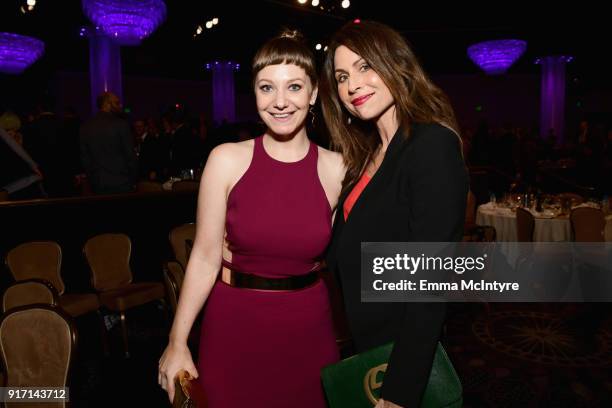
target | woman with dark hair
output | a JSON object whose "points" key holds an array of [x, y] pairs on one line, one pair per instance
{"points": [[264, 219], [405, 181]]}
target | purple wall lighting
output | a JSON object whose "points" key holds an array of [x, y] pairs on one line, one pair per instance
{"points": [[552, 105], [128, 22], [104, 66], [224, 98], [495, 57], [17, 52]]}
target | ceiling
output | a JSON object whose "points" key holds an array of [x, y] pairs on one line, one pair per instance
{"points": [[440, 35]]}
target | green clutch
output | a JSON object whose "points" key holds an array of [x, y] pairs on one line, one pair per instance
{"points": [[355, 382]]}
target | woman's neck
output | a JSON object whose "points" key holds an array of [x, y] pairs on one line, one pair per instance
{"points": [[387, 126], [287, 148]]}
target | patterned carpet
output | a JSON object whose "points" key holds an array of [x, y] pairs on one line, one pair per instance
{"points": [[507, 355], [514, 355]]}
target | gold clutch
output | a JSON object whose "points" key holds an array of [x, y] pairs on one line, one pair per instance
{"points": [[188, 392]]}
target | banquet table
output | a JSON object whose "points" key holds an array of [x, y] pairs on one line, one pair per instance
{"points": [[547, 228]]}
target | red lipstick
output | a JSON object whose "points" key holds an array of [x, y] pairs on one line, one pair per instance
{"points": [[361, 100]]}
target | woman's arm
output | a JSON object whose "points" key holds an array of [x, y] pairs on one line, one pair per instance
{"points": [[204, 263], [438, 192], [331, 171]]}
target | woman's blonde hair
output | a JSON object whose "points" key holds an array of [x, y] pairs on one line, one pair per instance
{"points": [[10, 121]]}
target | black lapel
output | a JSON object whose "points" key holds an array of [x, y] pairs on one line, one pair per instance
{"points": [[379, 180]]}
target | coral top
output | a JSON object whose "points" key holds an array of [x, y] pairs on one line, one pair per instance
{"points": [[355, 193]]}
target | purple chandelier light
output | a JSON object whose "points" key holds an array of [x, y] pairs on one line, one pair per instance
{"points": [[495, 57], [17, 52], [128, 22]]}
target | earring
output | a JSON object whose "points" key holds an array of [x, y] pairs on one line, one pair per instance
{"points": [[348, 121], [311, 110]]}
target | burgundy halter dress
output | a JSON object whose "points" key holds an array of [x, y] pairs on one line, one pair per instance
{"points": [[263, 348]]}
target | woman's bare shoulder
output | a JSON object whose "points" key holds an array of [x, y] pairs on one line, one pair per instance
{"points": [[232, 150], [332, 165], [332, 159], [231, 154], [230, 160]]}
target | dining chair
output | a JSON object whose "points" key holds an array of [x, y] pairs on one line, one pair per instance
{"points": [[43, 260], [37, 346], [29, 292], [588, 224], [470, 210], [173, 280], [108, 257], [181, 240], [174, 275], [525, 225]]}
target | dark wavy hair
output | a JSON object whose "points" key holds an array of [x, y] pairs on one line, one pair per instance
{"points": [[417, 99]]}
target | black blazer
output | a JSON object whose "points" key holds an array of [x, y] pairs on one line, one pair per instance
{"points": [[107, 154], [418, 194]]}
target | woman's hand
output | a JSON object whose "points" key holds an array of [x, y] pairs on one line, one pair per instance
{"points": [[386, 404], [175, 358]]}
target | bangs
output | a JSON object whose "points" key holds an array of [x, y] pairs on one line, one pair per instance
{"points": [[285, 51]]}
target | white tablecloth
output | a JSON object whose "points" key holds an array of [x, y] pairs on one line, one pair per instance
{"points": [[546, 229]]}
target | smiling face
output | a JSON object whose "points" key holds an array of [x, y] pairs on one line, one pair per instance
{"points": [[362, 91], [284, 94]]}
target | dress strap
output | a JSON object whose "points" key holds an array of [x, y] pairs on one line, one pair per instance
{"points": [[313, 153], [258, 149]]}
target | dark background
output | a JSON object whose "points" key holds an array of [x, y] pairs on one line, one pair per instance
{"points": [[497, 368], [440, 35]]}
